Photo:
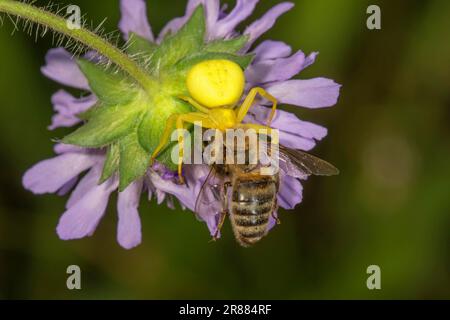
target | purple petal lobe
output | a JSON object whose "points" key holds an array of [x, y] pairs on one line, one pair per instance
{"points": [[62, 68], [294, 133], [212, 221], [50, 175], [184, 193], [257, 28], [134, 19], [82, 219], [226, 26], [65, 189], [129, 226], [212, 12], [279, 69], [289, 122], [313, 93], [290, 193], [88, 182], [61, 148], [269, 50], [68, 107]]}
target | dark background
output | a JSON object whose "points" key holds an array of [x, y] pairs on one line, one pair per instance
{"points": [[389, 135]]}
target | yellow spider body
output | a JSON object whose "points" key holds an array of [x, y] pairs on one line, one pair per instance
{"points": [[216, 83], [215, 87]]}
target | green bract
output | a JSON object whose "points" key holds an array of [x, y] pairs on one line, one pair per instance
{"points": [[128, 120]]}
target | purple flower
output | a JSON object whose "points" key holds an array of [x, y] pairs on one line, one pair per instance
{"points": [[273, 67]]}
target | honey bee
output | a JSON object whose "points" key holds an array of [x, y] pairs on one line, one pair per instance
{"points": [[253, 197]]}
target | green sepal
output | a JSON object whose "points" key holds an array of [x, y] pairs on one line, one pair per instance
{"points": [[140, 45], [140, 48], [188, 40], [188, 62], [227, 46], [134, 160], [111, 164], [109, 87], [107, 125], [89, 113]]}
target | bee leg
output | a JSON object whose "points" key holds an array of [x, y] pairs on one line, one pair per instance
{"points": [[275, 209], [276, 218], [223, 215], [224, 212]]}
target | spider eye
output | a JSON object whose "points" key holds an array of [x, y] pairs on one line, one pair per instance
{"points": [[216, 83]]}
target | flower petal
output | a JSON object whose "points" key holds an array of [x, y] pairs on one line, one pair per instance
{"points": [[290, 192], [212, 12], [269, 49], [68, 107], [279, 69], [88, 182], [208, 208], [312, 93], [287, 139], [240, 12], [257, 28], [184, 193], [50, 175], [294, 133], [212, 221], [289, 122], [62, 68], [134, 19], [61, 148], [65, 189], [129, 225], [294, 141], [81, 219]]}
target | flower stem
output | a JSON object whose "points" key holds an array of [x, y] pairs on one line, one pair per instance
{"points": [[86, 37]]}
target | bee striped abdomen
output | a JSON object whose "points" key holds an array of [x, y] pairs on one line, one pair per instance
{"points": [[253, 201]]}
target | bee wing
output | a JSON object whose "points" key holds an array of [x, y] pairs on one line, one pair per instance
{"points": [[306, 163], [209, 199]]}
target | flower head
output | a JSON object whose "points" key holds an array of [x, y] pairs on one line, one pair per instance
{"points": [[103, 158]]}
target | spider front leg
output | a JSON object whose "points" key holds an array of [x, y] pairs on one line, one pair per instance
{"points": [[248, 102], [260, 129], [178, 120], [195, 104], [165, 138]]}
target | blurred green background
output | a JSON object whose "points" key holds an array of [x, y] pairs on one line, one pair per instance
{"points": [[389, 135]]}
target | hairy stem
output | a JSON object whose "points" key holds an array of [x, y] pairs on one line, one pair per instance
{"points": [[86, 37]]}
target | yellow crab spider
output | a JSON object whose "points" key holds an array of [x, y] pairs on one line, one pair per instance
{"points": [[215, 87]]}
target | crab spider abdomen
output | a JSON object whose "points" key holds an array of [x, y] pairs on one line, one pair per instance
{"points": [[216, 83]]}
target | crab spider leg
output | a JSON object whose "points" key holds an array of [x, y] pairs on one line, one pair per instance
{"points": [[245, 107], [192, 117], [179, 120], [256, 127], [165, 136], [195, 104]]}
